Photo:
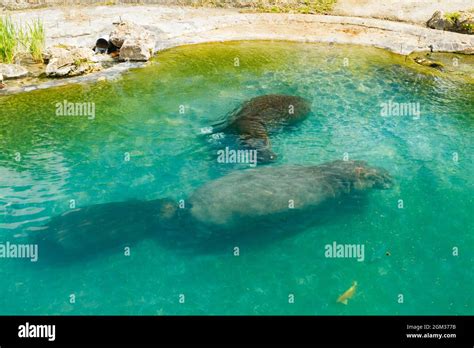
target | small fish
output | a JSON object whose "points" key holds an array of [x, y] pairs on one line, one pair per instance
{"points": [[347, 294]]}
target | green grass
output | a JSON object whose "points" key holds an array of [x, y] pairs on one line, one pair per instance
{"points": [[468, 27], [36, 39], [455, 17], [273, 6], [452, 17], [8, 40], [16, 39], [297, 6]]}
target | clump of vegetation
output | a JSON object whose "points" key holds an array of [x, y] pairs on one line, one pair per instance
{"points": [[8, 40], [209, 3], [452, 17], [17, 39], [36, 40], [297, 6], [468, 27], [274, 6], [459, 22]]}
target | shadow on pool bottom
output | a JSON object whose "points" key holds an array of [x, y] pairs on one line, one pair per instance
{"points": [[107, 229]]}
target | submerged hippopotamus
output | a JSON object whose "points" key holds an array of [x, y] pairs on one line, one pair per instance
{"points": [[266, 191], [258, 116], [228, 205]]}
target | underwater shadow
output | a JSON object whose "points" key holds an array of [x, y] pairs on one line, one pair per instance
{"points": [[106, 229], [103, 229]]}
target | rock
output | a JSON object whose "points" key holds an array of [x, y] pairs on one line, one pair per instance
{"points": [[12, 71], [122, 31], [138, 49], [69, 61], [54, 52], [460, 22], [135, 42], [1, 78], [102, 58], [469, 50], [437, 21]]}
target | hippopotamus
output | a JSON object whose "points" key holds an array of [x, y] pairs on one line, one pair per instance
{"points": [[257, 117], [266, 191], [229, 205]]}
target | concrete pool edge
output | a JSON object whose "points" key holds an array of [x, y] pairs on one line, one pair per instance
{"points": [[177, 26]]}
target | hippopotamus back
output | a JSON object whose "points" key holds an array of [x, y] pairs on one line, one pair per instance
{"points": [[253, 121], [268, 191], [273, 109]]}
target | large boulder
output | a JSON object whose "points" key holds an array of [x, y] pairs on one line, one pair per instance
{"points": [[69, 61], [134, 41], [12, 71], [139, 49], [437, 21], [122, 31], [460, 22]]}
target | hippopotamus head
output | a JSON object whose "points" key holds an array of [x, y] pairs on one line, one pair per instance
{"points": [[366, 176], [263, 149], [265, 156], [360, 175]]}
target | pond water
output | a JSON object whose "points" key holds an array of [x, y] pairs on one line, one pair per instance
{"points": [[145, 141]]}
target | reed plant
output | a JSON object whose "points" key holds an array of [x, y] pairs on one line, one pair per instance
{"points": [[36, 40], [16, 39], [8, 40]]}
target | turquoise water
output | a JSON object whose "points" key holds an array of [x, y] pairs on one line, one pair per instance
{"points": [[408, 250]]}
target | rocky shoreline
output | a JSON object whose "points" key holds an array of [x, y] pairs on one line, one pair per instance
{"points": [[163, 27]]}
